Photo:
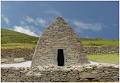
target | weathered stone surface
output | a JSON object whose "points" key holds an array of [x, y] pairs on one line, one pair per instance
{"points": [[16, 53], [28, 53], [85, 73], [3, 60], [59, 35], [19, 59], [100, 49]]}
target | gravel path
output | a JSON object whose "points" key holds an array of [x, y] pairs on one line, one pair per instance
{"points": [[22, 64], [27, 64]]}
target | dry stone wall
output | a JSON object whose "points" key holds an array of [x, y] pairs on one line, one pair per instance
{"points": [[28, 53], [86, 73], [16, 53], [101, 49], [8, 55]]}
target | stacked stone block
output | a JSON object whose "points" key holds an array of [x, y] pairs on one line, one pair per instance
{"points": [[59, 35]]}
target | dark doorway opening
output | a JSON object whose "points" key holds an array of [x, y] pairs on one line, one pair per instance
{"points": [[60, 57]]}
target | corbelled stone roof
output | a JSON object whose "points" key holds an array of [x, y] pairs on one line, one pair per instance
{"points": [[58, 35]]}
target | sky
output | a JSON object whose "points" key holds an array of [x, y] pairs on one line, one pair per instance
{"points": [[89, 19]]}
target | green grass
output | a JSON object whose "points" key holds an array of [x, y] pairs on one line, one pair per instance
{"points": [[9, 36], [18, 45], [104, 58], [103, 42], [11, 39]]}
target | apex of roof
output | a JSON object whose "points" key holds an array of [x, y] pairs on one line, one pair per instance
{"points": [[59, 20]]}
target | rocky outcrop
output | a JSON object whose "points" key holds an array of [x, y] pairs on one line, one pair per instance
{"points": [[86, 73]]}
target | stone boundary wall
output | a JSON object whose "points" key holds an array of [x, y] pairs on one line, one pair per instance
{"points": [[87, 73], [101, 49], [28, 53], [16, 53]]}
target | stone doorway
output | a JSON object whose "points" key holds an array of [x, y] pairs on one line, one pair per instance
{"points": [[60, 57]]}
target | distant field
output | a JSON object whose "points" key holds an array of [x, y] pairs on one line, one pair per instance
{"points": [[103, 42], [84, 43], [11, 40], [18, 45], [104, 58]]}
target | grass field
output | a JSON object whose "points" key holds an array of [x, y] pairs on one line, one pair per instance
{"points": [[84, 43], [104, 58], [11, 40], [103, 42], [9, 36], [18, 45]]}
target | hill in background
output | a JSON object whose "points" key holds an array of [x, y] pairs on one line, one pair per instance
{"points": [[12, 39], [9, 36]]}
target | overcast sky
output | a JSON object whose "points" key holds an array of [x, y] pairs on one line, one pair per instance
{"points": [[88, 19]]}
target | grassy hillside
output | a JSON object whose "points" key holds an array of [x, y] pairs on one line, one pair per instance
{"points": [[9, 36], [102, 42], [11, 39]]}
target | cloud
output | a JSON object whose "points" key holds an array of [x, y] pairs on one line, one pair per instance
{"points": [[40, 21], [22, 22], [25, 30], [5, 19], [53, 12], [88, 26], [36, 21], [29, 19]]}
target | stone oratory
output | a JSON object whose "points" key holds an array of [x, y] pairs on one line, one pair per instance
{"points": [[58, 46]]}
